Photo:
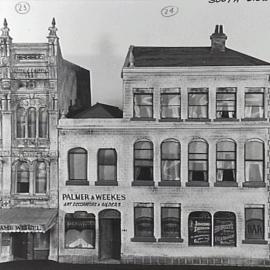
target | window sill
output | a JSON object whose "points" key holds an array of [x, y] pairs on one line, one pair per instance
{"points": [[106, 183], [142, 119], [226, 184], [170, 120], [77, 183], [255, 242], [171, 240], [143, 183], [197, 184], [226, 119], [254, 184], [169, 183], [143, 239], [198, 120], [22, 196], [253, 119]]}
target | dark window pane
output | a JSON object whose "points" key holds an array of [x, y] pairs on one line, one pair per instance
{"points": [[22, 178], [144, 221], [224, 229], [199, 227], [107, 157], [77, 164], [170, 222], [254, 223]]}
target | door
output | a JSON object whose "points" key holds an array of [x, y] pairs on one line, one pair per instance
{"points": [[20, 245], [109, 235]]}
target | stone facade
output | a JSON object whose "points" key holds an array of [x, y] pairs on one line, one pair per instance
{"points": [[37, 86], [124, 194]]}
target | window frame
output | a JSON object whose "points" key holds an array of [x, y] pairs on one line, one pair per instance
{"points": [[141, 182], [224, 182], [103, 182], [252, 91], [143, 238], [198, 91], [71, 181], [254, 183], [143, 92], [224, 91], [170, 92]]}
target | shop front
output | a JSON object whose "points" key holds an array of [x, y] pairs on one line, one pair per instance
{"points": [[25, 232]]}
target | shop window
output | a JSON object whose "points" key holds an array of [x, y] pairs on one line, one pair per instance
{"points": [[198, 161], [170, 160], [41, 177], [224, 229], [80, 232], [254, 161], [22, 177], [77, 165], [20, 122], [107, 165], [170, 101], [198, 103], [254, 224], [170, 222], [199, 229], [226, 161], [144, 222], [226, 103], [143, 103], [31, 123], [43, 123], [42, 241], [254, 103], [143, 161]]}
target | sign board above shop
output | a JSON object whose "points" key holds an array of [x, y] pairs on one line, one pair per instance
{"points": [[21, 228], [96, 199]]}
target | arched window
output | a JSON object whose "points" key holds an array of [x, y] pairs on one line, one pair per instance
{"points": [[31, 123], [20, 122], [170, 160], [198, 161], [77, 164], [254, 161], [80, 230], [224, 229], [226, 161], [43, 123], [22, 177], [107, 165], [143, 161], [199, 229], [41, 177]]}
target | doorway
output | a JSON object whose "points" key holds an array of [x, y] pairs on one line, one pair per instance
{"points": [[109, 234], [20, 245]]}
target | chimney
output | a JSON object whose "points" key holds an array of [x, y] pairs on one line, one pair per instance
{"points": [[218, 40]]}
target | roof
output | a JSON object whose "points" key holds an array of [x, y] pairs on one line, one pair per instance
{"points": [[24, 219], [190, 56], [100, 110]]}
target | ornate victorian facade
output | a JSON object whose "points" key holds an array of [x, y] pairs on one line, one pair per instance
{"points": [[37, 86]]}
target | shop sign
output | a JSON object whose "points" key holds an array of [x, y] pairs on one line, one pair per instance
{"points": [[21, 228], [97, 199]]}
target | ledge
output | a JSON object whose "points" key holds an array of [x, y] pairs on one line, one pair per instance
{"points": [[254, 184], [169, 183], [226, 120], [254, 119], [170, 240], [77, 183], [143, 239], [143, 183], [106, 183], [197, 184], [170, 120], [198, 120], [255, 242], [226, 184], [142, 119]]}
